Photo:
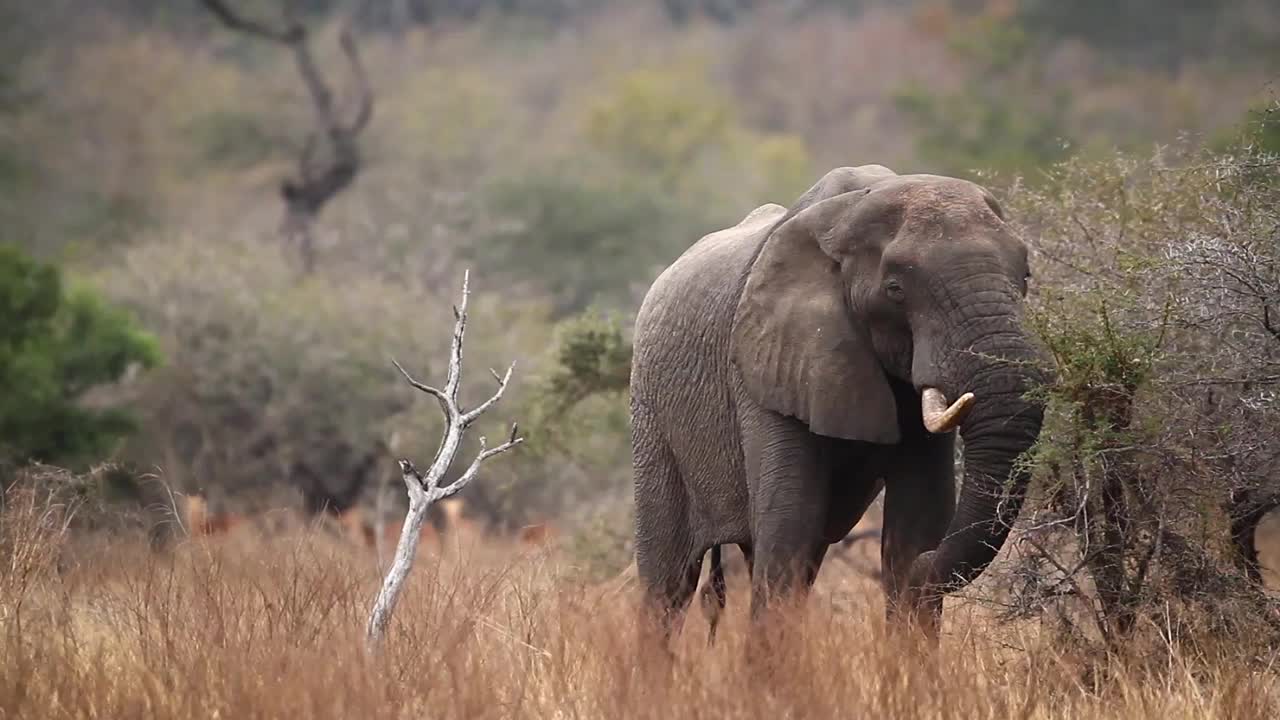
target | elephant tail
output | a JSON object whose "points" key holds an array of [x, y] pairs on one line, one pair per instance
{"points": [[713, 596]]}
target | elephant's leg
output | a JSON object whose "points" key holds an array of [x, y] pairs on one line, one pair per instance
{"points": [[667, 597], [792, 491], [919, 500], [666, 559]]}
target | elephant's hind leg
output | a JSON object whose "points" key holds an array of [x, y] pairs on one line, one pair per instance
{"points": [[668, 591], [667, 559]]}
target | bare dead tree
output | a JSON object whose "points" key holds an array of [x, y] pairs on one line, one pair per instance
{"points": [[317, 178], [425, 489]]}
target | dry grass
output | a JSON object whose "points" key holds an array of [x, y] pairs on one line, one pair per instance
{"points": [[249, 629]]}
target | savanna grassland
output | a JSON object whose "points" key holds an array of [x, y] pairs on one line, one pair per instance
{"points": [[164, 345], [250, 628]]}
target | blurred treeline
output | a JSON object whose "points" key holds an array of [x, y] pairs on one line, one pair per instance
{"points": [[566, 150]]}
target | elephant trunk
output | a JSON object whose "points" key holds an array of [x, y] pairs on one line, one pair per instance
{"points": [[1002, 424]]}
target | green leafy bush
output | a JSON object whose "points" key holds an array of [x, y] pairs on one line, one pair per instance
{"points": [[1002, 119], [673, 126], [578, 423], [57, 344], [658, 122], [1258, 133], [583, 241], [590, 358], [668, 160]]}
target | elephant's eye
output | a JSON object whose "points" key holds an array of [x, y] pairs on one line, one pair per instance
{"points": [[893, 290]]}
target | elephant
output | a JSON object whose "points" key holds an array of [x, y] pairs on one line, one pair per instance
{"points": [[790, 368]]}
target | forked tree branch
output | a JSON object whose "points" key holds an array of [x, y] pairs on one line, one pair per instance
{"points": [[425, 489], [315, 183], [289, 34]]}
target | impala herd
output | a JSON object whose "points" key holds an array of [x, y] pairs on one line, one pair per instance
{"points": [[360, 527]]}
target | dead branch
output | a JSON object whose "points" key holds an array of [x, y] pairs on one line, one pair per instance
{"points": [[315, 183], [425, 489]]}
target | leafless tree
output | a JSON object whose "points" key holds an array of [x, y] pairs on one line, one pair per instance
{"points": [[425, 489], [330, 157]]}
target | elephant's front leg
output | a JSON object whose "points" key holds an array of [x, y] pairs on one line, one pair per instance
{"points": [[789, 472], [919, 500]]}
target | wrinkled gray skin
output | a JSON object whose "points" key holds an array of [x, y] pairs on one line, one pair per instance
{"points": [[776, 390]]}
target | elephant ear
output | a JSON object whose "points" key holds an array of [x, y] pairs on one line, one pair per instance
{"points": [[797, 347]]}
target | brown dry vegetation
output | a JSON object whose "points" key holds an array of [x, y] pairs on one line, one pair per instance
{"points": [[272, 628], [148, 157]]}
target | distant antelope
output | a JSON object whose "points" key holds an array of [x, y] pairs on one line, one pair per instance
{"points": [[426, 536], [537, 534], [198, 520], [355, 527], [361, 530], [456, 525]]}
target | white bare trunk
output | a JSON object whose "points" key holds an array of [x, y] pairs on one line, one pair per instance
{"points": [[425, 490]]}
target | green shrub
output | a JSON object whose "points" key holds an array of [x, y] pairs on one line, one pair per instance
{"points": [[584, 241], [672, 126], [590, 358], [57, 344], [1001, 119], [577, 419], [1258, 133], [658, 122]]}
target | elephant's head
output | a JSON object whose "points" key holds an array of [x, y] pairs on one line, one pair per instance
{"points": [[874, 298]]}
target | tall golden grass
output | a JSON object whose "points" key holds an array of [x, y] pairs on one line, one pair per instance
{"points": [[244, 628]]}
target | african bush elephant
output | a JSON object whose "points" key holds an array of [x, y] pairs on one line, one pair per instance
{"points": [[785, 371]]}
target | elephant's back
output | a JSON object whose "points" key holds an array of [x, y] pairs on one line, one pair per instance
{"points": [[685, 319]]}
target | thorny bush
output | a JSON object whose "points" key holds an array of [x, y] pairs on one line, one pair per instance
{"points": [[1157, 295]]}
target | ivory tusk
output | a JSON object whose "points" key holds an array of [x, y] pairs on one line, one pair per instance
{"points": [[938, 417]]}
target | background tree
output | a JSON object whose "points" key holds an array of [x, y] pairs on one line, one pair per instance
{"points": [[1006, 118], [56, 345], [330, 159]]}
